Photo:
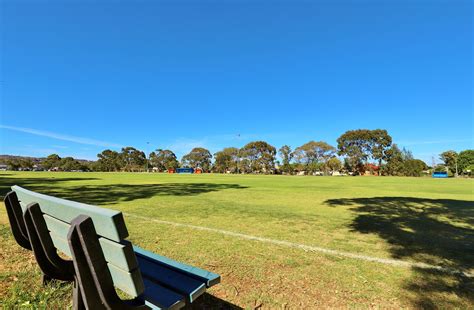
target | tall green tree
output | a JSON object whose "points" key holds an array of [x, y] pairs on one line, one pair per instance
{"points": [[395, 162], [287, 156], [199, 157], [380, 142], [363, 144], [109, 160], [69, 164], [51, 161], [466, 161], [356, 145], [258, 157], [163, 160], [402, 163], [414, 167], [450, 159], [314, 155], [226, 160], [134, 159]]}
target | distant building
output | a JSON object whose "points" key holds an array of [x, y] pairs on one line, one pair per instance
{"points": [[371, 169], [3, 167]]}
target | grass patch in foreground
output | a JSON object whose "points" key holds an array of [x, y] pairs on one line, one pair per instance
{"points": [[412, 219]]}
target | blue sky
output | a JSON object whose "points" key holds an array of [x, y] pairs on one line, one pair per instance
{"points": [[78, 77]]}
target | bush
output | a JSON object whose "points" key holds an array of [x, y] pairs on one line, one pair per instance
{"points": [[414, 167]]}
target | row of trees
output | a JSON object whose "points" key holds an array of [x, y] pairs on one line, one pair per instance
{"points": [[400, 162], [457, 163], [55, 162], [361, 150], [20, 164], [129, 159], [52, 162]]}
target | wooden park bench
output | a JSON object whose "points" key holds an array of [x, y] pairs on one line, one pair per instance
{"points": [[102, 259]]}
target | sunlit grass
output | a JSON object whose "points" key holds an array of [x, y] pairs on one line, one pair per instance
{"points": [[412, 219]]}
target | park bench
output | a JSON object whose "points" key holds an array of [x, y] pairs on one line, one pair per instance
{"points": [[101, 258]]}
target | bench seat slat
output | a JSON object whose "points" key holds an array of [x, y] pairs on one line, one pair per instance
{"points": [[159, 297], [208, 277], [108, 223], [118, 254], [128, 281], [172, 279]]}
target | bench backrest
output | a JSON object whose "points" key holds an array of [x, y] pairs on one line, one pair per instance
{"points": [[111, 230]]}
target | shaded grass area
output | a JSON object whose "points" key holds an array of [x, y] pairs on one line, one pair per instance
{"points": [[419, 220], [111, 193], [433, 231]]}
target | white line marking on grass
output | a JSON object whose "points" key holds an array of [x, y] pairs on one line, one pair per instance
{"points": [[386, 261]]}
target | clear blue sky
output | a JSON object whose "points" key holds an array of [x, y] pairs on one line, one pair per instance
{"points": [[78, 77]]}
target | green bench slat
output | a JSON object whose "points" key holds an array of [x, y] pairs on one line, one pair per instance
{"points": [[108, 223], [118, 254], [128, 281], [182, 283], [159, 297], [207, 277]]}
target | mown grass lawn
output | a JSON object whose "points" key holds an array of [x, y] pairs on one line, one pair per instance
{"points": [[411, 219]]}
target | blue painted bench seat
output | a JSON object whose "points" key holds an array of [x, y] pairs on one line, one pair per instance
{"points": [[209, 278], [187, 282]]}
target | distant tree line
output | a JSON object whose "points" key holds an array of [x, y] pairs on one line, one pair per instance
{"points": [[358, 152], [19, 163], [52, 162], [457, 163]]}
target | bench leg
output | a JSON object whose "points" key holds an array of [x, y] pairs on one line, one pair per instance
{"points": [[77, 301], [45, 279], [93, 275], [53, 266], [17, 223]]}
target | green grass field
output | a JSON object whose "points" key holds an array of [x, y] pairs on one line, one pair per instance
{"points": [[419, 220]]}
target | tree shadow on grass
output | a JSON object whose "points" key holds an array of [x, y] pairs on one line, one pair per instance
{"points": [[433, 231], [115, 193], [34, 183], [109, 194]]}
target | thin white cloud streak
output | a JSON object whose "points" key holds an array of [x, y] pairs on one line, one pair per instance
{"points": [[63, 137]]}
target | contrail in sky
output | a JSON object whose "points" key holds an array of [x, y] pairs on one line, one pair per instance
{"points": [[59, 136]]}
